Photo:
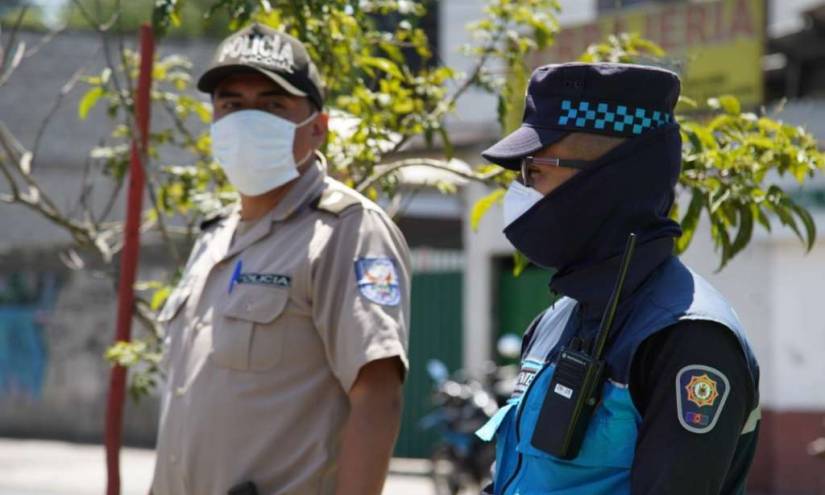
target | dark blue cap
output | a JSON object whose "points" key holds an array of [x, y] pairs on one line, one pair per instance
{"points": [[621, 100]]}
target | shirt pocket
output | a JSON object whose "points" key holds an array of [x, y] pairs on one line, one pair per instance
{"points": [[246, 336]]}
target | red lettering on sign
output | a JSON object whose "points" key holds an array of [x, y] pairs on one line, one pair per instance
{"points": [[592, 34], [669, 34], [652, 31], [742, 22], [619, 26], [696, 24], [566, 45], [718, 17]]}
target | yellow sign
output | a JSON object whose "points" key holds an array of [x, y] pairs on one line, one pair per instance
{"points": [[716, 46]]}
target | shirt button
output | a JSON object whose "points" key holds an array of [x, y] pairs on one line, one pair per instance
{"points": [[173, 459], [180, 391]]}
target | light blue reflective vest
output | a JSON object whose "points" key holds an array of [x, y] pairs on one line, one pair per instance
{"points": [[671, 294]]}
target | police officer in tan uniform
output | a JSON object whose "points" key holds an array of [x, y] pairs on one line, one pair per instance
{"points": [[287, 335]]}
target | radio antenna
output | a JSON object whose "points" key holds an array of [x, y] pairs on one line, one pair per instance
{"points": [[613, 302]]}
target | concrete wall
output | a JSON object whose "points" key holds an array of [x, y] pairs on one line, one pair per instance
{"points": [[53, 378]]}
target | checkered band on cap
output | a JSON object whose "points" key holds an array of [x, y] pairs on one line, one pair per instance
{"points": [[611, 118]]}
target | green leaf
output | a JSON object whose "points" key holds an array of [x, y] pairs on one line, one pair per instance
{"points": [[383, 64], [159, 297], [721, 238], [88, 101], [203, 112], [717, 199], [690, 221], [687, 101], [763, 219], [743, 237], [481, 207], [449, 151], [786, 218], [730, 104], [520, 262], [807, 222]]}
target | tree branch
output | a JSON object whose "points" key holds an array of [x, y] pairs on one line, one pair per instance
{"points": [[189, 138], [444, 107], [64, 90], [12, 37], [110, 203], [443, 165], [161, 222], [15, 191], [45, 40], [144, 314]]}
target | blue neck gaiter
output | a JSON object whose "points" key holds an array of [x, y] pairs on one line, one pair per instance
{"points": [[586, 221]]}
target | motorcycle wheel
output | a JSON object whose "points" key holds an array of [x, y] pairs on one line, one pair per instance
{"points": [[445, 472]]}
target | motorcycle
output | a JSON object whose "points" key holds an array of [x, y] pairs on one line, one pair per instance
{"points": [[463, 404]]}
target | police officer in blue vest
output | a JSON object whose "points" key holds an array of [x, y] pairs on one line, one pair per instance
{"points": [[676, 408]]}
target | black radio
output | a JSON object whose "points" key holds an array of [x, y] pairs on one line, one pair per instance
{"points": [[576, 387]]}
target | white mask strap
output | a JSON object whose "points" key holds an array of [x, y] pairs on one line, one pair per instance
{"points": [[299, 125], [308, 119]]}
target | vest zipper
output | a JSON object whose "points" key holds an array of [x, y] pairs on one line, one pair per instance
{"points": [[518, 428]]}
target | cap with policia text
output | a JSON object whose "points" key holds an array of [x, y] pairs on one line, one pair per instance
{"points": [[622, 100], [277, 55]]}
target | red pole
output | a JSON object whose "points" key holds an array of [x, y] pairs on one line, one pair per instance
{"points": [[129, 261]]}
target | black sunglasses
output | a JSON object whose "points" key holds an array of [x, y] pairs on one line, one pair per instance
{"points": [[527, 161]]}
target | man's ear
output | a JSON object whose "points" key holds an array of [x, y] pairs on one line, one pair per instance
{"points": [[321, 125]]}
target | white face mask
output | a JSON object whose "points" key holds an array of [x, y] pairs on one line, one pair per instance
{"points": [[518, 199], [254, 148]]}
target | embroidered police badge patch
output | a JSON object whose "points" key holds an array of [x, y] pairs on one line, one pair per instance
{"points": [[377, 280], [701, 392]]}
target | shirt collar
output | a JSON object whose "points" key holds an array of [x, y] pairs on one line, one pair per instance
{"points": [[305, 189]]}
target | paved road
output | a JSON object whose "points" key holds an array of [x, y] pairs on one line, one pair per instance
{"points": [[33, 467]]}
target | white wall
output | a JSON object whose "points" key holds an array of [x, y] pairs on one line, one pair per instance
{"points": [[798, 337], [481, 248], [777, 289]]}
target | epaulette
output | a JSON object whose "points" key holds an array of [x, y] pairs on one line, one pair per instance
{"points": [[213, 220], [336, 200]]}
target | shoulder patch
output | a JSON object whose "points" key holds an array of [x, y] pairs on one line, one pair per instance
{"points": [[377, 280], [336, 200], [701, 392]]}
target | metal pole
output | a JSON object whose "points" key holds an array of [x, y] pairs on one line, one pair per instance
{"points": [[129, 260]]}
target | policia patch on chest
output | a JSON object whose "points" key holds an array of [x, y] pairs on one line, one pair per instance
{"points": [[264, 279], [701, 392]]}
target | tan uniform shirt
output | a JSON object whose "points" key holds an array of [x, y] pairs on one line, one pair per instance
{"points": [[266, 334]]}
